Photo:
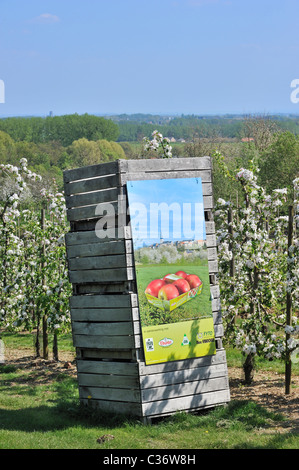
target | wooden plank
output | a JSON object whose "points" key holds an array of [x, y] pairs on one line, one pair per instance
{"points": [[218, 330], [110, 394], [168, 392], [106, 342], [105, 329], [218, 358], [109, 381], [94, 184], [183, 376], [191, 402], [121, 287], [91, 237], [91, 171], [210, 228], [100, 262], [107, 367], [159, 175], [212, 254], [100, 249], [105, 314], [103, 301], [117, 407], [101, 275], [107, 354], [211, 241], [95, 211], [165, 164], [95, 197]]}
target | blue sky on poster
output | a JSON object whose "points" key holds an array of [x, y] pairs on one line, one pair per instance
{"points": [[171, 209], [148, 56]]}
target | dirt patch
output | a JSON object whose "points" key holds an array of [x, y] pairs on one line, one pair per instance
{"points": [[267, 389]]}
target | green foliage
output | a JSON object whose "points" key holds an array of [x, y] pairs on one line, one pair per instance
{"points": [[279, 163], [64, 129]]}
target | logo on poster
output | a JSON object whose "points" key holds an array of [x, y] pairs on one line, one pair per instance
{"points": [[165, 342]]}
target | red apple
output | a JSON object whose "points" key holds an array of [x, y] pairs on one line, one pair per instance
{"points": [[181, 274], [182, 285], [154, 287], [168, 292], [193, 280]]}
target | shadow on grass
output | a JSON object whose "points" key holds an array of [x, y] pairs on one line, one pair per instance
{"points": [[63, 413]]}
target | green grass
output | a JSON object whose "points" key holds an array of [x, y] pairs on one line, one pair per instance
{"points": [[38, 411]]}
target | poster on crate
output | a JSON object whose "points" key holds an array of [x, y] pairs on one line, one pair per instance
{"points": [[172, 274]]}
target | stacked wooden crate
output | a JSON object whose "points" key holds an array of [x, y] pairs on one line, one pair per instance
{"points": [[112, 374]]}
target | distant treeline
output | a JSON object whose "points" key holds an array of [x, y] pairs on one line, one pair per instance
{"points": [[63, 129], [134, 127]]}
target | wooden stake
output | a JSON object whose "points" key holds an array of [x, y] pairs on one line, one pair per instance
{"points": [[288, 363]]}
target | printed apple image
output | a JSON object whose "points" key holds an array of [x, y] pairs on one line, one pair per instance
{"points": [[168, 292], [182, 285], [154, 287], [181, 274], [193, 280]]}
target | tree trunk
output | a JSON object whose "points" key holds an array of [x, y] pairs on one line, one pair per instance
{"points": [[55, 346], [248, 368]]}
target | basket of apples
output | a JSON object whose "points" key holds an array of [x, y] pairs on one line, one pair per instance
{"points": [[173, 290]]}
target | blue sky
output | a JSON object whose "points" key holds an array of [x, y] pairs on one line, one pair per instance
{"points": [[169, 208], [148, 56]]}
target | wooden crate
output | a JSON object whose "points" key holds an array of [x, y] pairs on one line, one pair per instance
{"points": [[112, 374]]}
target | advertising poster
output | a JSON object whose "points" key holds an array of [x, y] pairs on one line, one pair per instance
{"points": [[172, 274]]}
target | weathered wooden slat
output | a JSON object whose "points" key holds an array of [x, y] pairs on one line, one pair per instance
{"points": [[95, 197], [213, 266], [116, 407], [210, 227], [91, 171], [218, 358], [183, 376], [190, 402], [104, 301], [107, 367], [122, 314], [100, 262], [96, 211], [105, 329], [164, 164], [91, 237], [100, 249], [158, 175], [107, 354], [183, 389], [101, 275], [94, 184], [106, 342], [211, 241], [121, 287], [111, 394], [212, 254], [108, 381]]}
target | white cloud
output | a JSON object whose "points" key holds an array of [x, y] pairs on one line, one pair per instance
{"points": [[46, 18]]}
